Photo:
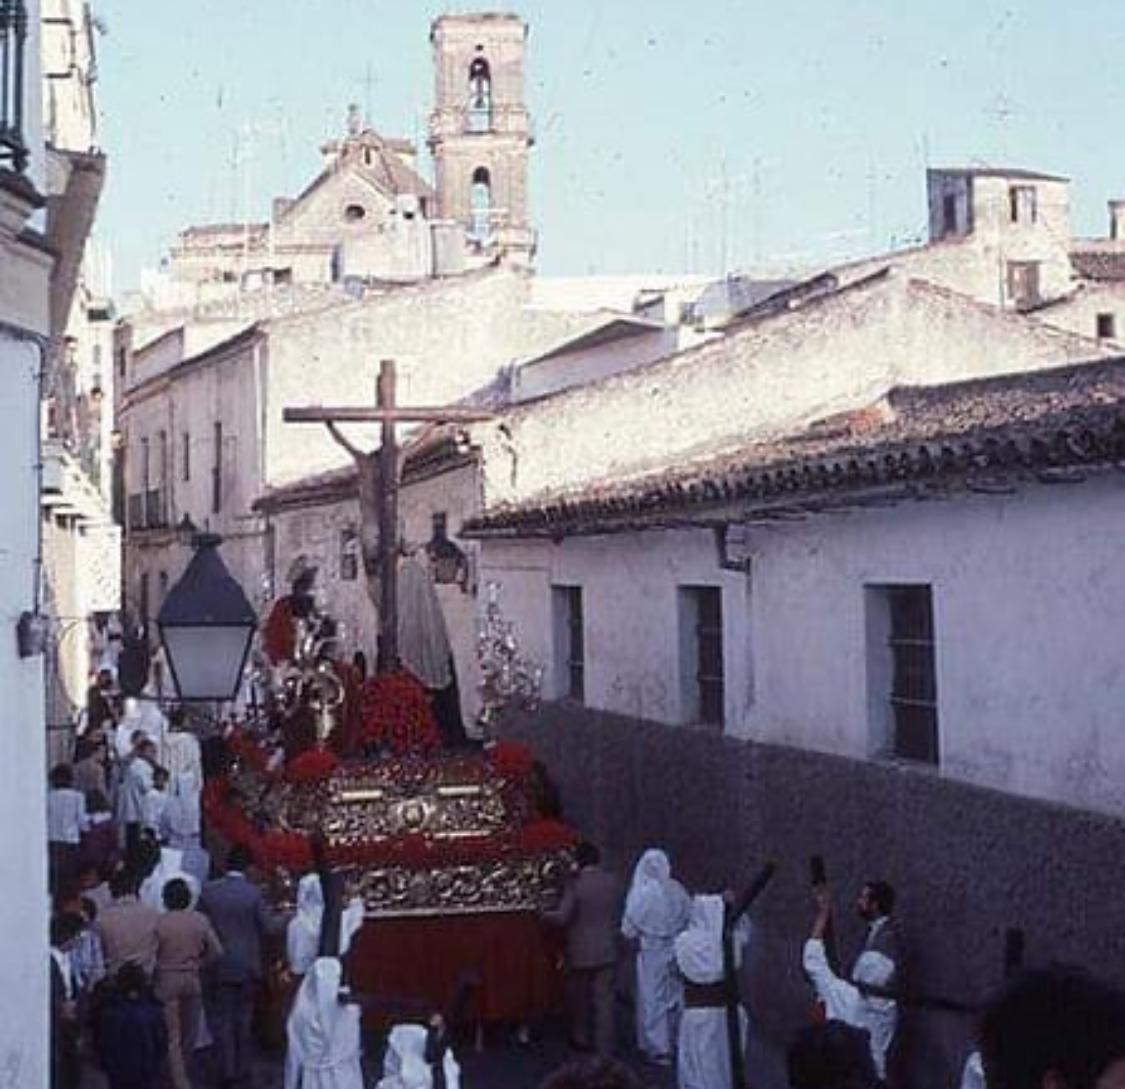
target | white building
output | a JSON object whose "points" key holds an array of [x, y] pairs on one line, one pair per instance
{"points": [[81, 543], [25, 272]]}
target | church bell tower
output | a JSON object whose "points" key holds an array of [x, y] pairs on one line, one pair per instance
{"points": [[480, 132]]}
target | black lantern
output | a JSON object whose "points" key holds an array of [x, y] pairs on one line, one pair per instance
{"points": [[448, 564], [206, 625]]}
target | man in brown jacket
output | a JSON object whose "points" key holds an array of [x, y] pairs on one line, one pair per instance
{"points": [[590, 910], [127, 928]]}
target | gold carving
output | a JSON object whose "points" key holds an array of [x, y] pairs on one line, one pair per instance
{"points": [[499, 885]]}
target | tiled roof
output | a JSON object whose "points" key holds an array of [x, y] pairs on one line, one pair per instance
{"points": [[1099, 264], [974, 433], [1015, 172]]}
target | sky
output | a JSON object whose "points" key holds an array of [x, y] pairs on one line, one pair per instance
{"points": [[707, 136]]}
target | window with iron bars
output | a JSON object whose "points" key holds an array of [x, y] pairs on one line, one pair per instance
{"points": [[13, 39]]}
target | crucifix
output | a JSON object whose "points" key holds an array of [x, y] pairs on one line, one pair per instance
{"points": [[378, 488]]}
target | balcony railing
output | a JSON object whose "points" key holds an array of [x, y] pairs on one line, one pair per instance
{"points": [[13, 38]]}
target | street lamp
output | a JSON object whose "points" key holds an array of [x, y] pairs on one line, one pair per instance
{"points": [[206, 625]]}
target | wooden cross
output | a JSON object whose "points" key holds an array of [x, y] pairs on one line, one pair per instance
{"points": [[385, 503]]}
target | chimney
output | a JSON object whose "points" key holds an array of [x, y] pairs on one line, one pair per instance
{"points": [[1117, 220]]}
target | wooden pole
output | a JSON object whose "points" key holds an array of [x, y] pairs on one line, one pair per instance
{"points": [[388, 522]]}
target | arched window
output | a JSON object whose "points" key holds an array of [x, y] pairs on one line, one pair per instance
{"points": [[480, 201], [480, 96]]}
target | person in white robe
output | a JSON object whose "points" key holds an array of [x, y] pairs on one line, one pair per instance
{"points": [[703, 1060], [302, 936], [846, 1001], [181, 825], [405, 1065], [657, 908], [323, 1033]]}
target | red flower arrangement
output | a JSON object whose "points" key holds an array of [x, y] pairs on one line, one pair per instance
{"points": [[311, 767], [396, 712], [246, 749]]}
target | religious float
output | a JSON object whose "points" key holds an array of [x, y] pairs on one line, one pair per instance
{"points": [[454, 846]]}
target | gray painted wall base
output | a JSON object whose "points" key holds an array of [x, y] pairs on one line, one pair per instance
{"points": [[967, 863]]}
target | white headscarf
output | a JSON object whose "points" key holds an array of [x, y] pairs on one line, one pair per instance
{"points": [[302, 937], [404, 1062], [699, 949], [657, 905]]}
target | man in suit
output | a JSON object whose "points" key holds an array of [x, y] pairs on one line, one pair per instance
{"points": [[875, 906], [238, 912], [589, 910]]}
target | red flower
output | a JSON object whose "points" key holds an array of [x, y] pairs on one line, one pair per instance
{"points": [[311, 767], [511, 759], [396, 712]]}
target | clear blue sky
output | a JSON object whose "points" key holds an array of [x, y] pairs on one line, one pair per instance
{"points": [[815, 118]]}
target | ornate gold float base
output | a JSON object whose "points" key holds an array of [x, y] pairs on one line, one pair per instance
{"points": [[529, 884]]}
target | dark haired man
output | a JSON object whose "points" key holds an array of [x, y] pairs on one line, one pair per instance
{"points": [[832, 1055], [589, 911], [237, 910], [1056, 1028], [127, 928], [185, 944], [875, 906]]}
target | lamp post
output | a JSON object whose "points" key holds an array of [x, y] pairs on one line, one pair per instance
{"points": [[206, 625]]}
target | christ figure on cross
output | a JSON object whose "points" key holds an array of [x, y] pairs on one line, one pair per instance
{"points": [[412, 629]]}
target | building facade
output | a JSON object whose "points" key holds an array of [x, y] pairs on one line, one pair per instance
{"points": [[889, 637], [25, 321]]}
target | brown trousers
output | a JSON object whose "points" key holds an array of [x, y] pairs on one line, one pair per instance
{"points": [[183, 1007]]}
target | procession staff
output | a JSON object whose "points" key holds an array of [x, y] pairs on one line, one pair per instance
{"points": [[733, 914]]}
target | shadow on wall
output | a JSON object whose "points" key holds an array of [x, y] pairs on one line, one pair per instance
{"points": [[967, 863]]}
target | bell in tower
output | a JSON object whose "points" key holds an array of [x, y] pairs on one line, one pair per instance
{"points": [[480, 132]]}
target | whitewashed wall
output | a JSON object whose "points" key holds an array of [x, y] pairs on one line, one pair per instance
{"points": [[1028, 599], [24, 275]]}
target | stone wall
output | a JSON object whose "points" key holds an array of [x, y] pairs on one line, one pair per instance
{"points": [[967, 862]]}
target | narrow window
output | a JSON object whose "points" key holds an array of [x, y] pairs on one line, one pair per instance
{"points": [[1023, 283], [163, 584], [349, 554], [121, 362], [480, 203], [949, 214], [217, 471], [701, 654], [146, 467], [570, 643], [480, 96], [185, 456], [902, 674], [1107, 327], [1022, 203]]}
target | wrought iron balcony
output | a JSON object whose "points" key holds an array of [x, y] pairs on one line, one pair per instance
{"points": [[13, 38]]}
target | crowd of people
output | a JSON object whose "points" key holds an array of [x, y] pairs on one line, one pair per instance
{"points": [[1055, 1028], [154, 959]]}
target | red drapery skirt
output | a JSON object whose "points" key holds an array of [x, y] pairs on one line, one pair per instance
{"points": [[515, 954]]}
